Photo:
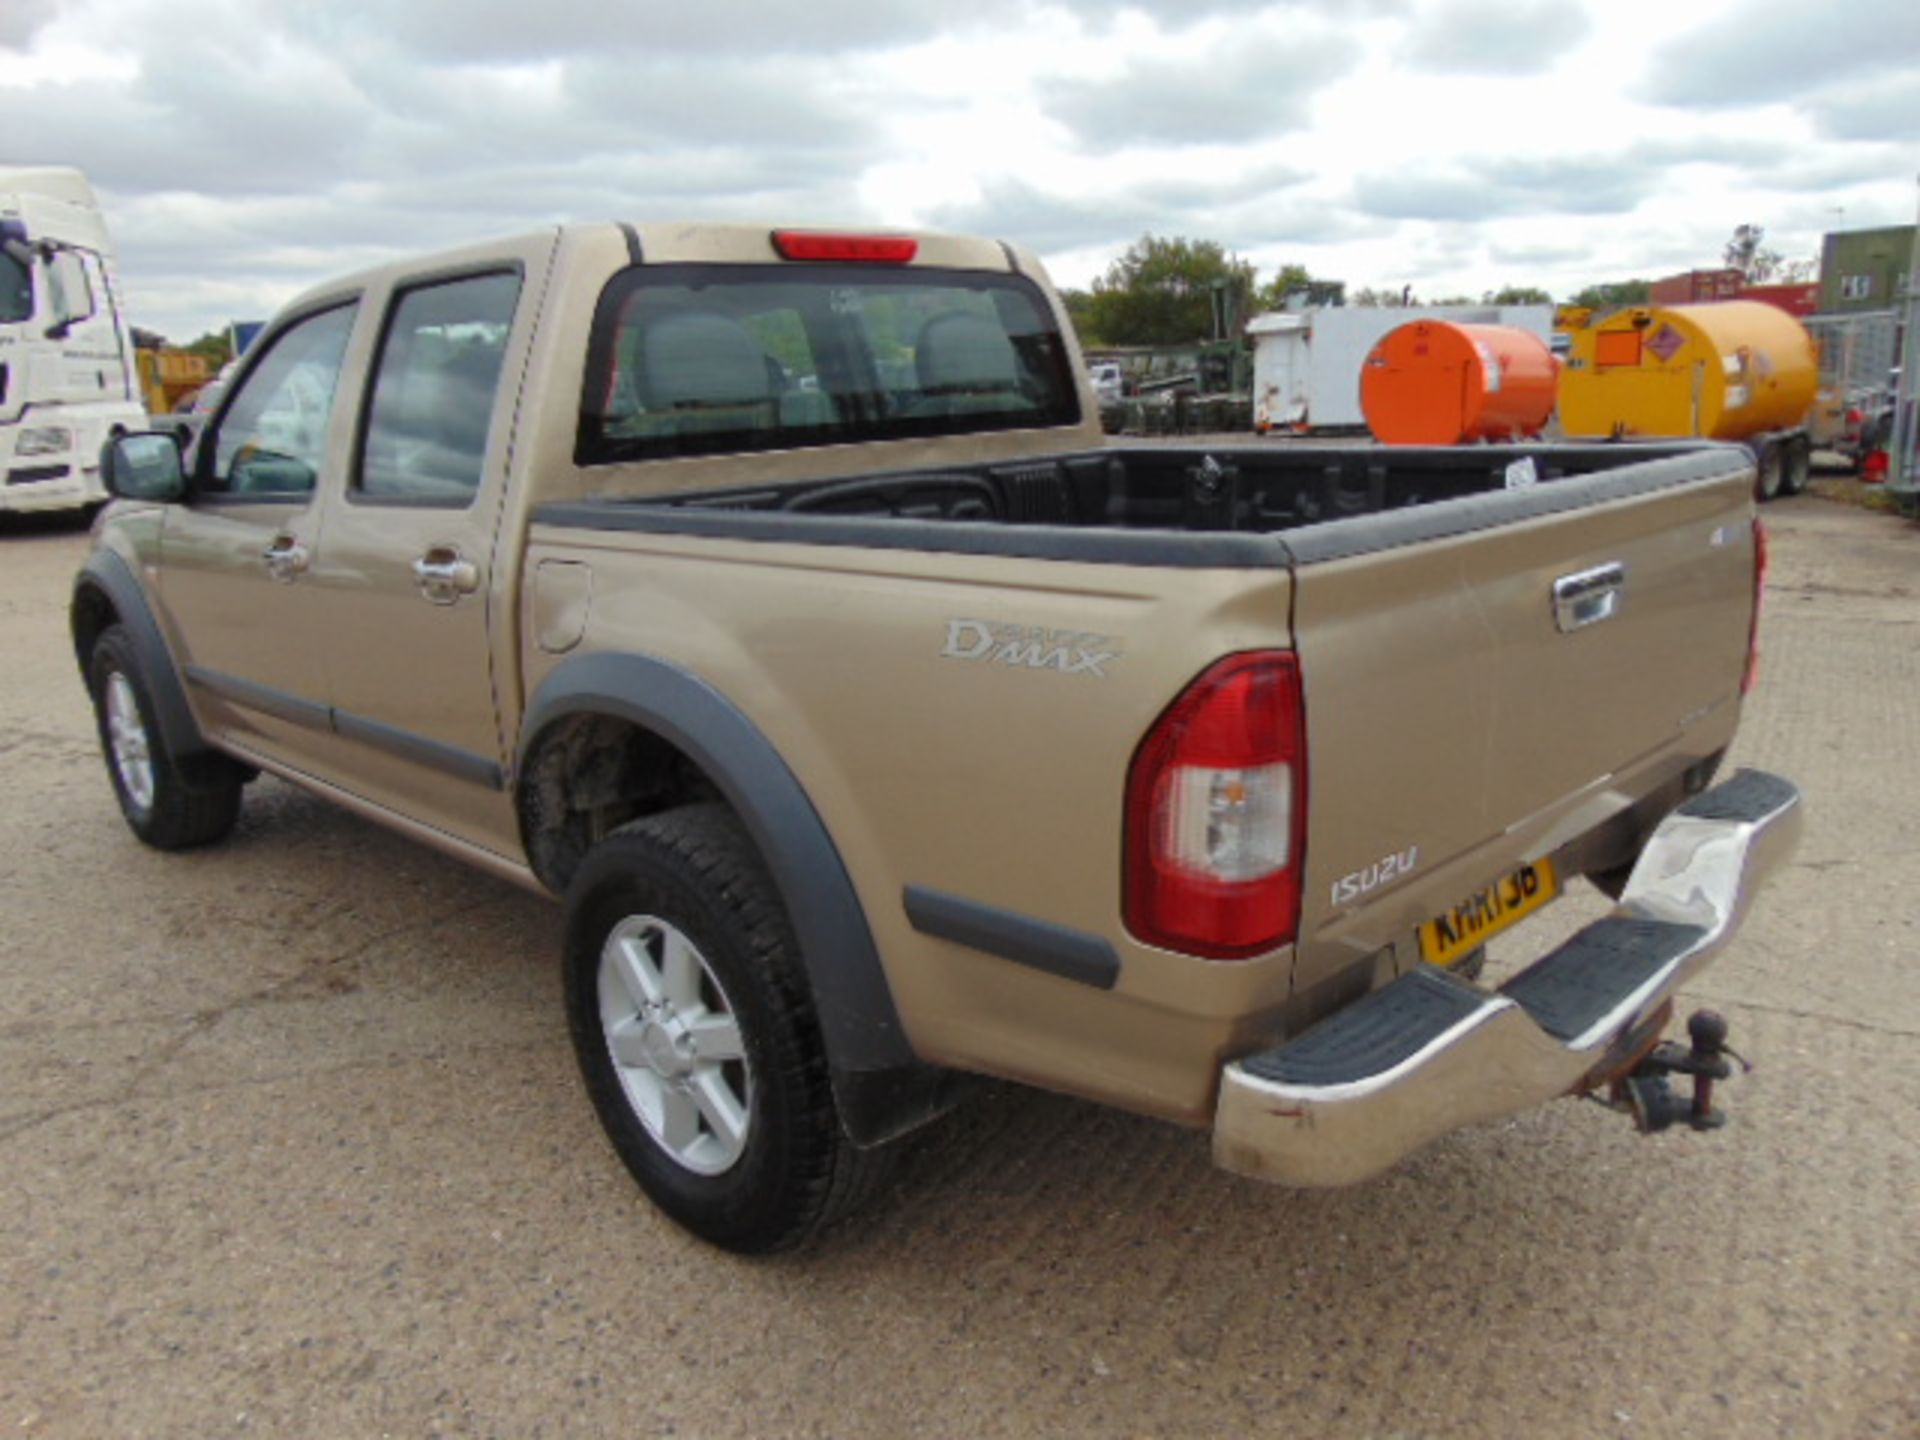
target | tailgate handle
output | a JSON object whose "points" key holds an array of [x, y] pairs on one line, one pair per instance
{"points": [[1588, 597]]}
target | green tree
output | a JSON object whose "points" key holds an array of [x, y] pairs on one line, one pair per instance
{"points": [[1517, 295], [1613, 295], [1292, 280], [1079, 305], [216, 345], [1748, 253], [1367, 295], [1161, 292]]}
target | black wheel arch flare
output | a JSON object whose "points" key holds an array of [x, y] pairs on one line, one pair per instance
{"points": [[881, 1087]]}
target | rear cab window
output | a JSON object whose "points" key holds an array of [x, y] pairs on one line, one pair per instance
{"points": [[711, 359]]}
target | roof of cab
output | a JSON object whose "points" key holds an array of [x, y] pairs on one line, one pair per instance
{"points": [[681, 242]]}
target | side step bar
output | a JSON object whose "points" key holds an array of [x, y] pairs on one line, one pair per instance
{"points": [[1432, 1052]]}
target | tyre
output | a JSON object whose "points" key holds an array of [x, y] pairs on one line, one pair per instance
{"points": [[1796, 466], [1766, 485], [694, 1029], [170, 802]]}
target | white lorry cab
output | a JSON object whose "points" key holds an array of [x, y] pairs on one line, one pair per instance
{"points": [[67, 380]]}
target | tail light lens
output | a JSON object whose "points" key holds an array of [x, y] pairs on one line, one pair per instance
{"points": [[1216, 813], [1759, 589]]}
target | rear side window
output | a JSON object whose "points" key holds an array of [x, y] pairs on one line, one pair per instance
{"points": [[707, 359], [434, 388]]}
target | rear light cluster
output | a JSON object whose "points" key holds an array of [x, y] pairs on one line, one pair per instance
{"points": [[1216, 813], [1759, 589], [865, 249]]}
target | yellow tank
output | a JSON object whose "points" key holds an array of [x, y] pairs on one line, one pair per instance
{"points": [[1723, 371], [169, 376]]}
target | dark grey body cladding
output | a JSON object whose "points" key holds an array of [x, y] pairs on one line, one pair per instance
{"points": [[106, 573], [882, 1089], [1038, 944]]}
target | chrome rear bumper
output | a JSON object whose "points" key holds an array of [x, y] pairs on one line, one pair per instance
{"points": [[1430, 1052]]}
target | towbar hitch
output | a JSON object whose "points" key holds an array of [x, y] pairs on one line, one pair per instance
{"points": [[1646, 1094]]}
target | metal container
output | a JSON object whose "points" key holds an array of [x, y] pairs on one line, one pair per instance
{"points": [[1438, 382], [1725, 371]]}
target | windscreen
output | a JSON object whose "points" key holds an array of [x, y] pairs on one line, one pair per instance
{"points": [[16, 290], [710, 359]]}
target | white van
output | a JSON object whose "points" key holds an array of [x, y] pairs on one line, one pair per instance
{"points": [[67, 378]]}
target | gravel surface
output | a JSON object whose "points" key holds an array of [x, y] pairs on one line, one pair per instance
{"points": [[293, 1146]]}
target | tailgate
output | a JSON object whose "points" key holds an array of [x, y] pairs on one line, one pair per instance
{"points": [[1459, 721]]}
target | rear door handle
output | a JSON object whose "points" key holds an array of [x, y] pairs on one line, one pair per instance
{"points": [[444, 575], [1588, 597], [287, 559]]}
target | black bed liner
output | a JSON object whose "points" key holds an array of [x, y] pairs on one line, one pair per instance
{"points": [[1216, 507]]}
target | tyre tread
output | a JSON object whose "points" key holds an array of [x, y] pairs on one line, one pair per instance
{"points": [[828, 1176], [196, 800]]}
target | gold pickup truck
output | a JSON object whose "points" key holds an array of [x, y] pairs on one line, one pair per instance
{"points": [[773, 597]]}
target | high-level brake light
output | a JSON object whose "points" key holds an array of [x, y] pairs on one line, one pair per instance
{"points": [[1216, 813], [865, 249]]}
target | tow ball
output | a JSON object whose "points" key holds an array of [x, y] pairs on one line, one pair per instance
{"points": [[1647, 1095]]}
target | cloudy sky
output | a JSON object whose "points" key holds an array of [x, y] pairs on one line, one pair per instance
{"points": [[246, 148]]}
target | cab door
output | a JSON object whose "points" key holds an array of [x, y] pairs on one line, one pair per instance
{"points": [[407, 575], [237, 557]]}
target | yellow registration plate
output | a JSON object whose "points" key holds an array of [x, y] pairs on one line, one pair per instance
{"points": [[1467, 926]]}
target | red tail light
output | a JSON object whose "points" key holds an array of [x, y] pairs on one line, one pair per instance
{"points": [[1759, 589], [868, 249], [1216, 813]]}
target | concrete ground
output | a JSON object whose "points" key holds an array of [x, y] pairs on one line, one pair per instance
{"points": [[293, 1146]]}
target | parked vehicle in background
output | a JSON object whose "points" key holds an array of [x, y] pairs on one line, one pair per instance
{"points": [[1109, 384], [67, 377], [1734, 370], [890, 729], [170, 377]]}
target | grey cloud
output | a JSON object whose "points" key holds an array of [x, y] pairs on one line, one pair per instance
{"points": [[21, 20], [1250, 89], [1256, 210], [1850, 164], [513, 30], [1545, 254], [1773, 50], [1883, 109], [1050, 223], [1494, 37], [1494, 188]]}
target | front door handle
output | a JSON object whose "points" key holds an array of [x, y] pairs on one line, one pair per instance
{"points": [[444, 575], [1588, 597], [287, 559]]}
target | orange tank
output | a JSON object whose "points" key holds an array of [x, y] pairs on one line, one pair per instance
{"points": [[1435, 382]]}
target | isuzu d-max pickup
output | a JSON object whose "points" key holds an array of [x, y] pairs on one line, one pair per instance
{"points": [[773, 597]]}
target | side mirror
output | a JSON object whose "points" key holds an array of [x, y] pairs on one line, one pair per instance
{"points": [[143, 467]]}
